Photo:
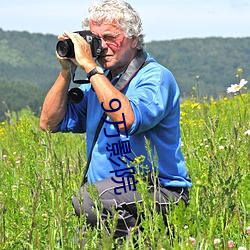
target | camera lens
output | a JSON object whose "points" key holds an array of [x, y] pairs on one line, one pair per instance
{"points": [[65, 48], [75, 95]]}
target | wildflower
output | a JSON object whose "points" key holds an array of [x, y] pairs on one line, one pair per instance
{"points": [[248, 230], [240, 70], [221, 147], [14, 188], [195, 106], [45, 216], [192, 240], [198, 182], [247, 133], [242, 248], [216, 241], [230, 244], [237, 87]]}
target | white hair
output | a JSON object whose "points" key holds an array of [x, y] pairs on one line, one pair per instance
{"points": [[120, 13]]}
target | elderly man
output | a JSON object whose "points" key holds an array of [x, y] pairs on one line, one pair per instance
{"points": [[140, 98]]}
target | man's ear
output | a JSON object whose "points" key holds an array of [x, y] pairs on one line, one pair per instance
{"points": [[134, 42]]}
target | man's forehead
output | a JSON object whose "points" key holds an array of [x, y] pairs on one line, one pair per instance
{"points": [[104, 27]]}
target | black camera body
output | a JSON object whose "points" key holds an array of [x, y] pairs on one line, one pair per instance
{"points": [[65, 48]]}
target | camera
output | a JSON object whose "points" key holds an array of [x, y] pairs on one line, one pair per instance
{"points": [[65, 48]]}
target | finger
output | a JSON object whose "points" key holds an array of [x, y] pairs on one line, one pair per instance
{"points": [[69, 60], [70, 34], [75, 37], [63, 36], [66, 33], [59, 57]]}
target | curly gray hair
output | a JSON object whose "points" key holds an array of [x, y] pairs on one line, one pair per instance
{"points": [[120, 12]]}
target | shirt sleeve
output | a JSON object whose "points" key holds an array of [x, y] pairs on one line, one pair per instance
{"points": [[153, 97], [75, 117]]}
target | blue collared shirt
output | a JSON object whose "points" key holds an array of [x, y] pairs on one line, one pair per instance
{"points": [[154, 97]]}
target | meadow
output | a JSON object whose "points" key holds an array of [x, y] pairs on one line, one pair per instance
{"points": [[40, 172]]}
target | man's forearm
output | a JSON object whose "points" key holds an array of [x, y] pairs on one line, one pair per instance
{"points": [[106, 93], [55, 103]]}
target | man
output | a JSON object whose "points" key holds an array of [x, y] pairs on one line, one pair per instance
{"points": [[141, 100]]}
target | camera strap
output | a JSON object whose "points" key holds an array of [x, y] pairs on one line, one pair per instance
{"points": [[136, 64]]}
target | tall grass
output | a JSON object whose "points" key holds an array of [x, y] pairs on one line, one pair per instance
{"points": [[40, 172]]}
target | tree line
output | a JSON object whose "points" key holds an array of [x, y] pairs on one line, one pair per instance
{"points": [[202, 67]]}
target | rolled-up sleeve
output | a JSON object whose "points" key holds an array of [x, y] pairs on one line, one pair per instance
{"points": [[75, 117], [152, 99]]}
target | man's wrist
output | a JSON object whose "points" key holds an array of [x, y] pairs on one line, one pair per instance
{"points": [[65, 73], [97, 70]]}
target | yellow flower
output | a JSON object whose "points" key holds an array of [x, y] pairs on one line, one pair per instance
{"points": [[240, 70], [195, 105]]}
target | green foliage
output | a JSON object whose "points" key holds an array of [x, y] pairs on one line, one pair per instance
{"points": [[14, 95], [208, 62], [28, 58], [36, 184], [40, 172], [203, 67]]}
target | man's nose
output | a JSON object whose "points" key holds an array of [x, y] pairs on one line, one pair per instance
{"points": [[104, 44]]}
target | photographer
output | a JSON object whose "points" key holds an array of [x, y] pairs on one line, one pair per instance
{"points": [[141, 100]]}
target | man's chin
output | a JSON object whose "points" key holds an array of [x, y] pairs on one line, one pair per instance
{"points": [[105, 63]]}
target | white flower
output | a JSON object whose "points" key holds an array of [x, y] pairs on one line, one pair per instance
{"points": [[192, 240], [237, 87], [217, 241], [242, 248], [248, 230], [246, 133]]}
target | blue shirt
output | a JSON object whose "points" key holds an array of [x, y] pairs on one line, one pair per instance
{"points": [[154, 97]]}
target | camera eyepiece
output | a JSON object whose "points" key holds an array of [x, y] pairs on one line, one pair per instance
{"points": [[65, 48]]}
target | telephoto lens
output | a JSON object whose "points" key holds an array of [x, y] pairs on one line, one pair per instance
{"points": [[65, 48]]}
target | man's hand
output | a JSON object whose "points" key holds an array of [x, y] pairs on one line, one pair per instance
{"points": [[83, 54], [66, 63]]}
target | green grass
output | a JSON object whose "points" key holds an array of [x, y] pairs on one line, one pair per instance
{"points": [[40, 172]]}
